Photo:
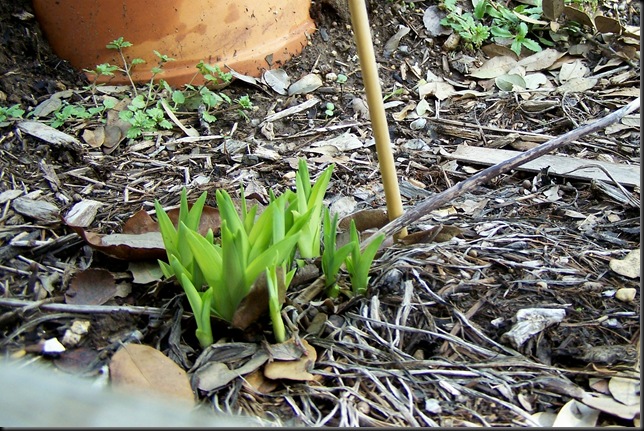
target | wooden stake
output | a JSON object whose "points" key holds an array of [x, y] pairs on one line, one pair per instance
{"points": [[360, 23]]}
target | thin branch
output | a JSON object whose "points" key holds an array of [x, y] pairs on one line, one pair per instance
{"points": [[78, 308], [488, 174]]}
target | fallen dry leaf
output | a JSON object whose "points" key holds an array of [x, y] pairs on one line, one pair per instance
{"points": [[496, 66], [365, 219], [541, 60], [606, 24], [609, 405], [141, 239], [140, 222], [145, 272], [576, 414], [94, 138], [141, 368], [257, 382], [126, 247], [255, 304], [92, 286], [624, 390], [215, 375], [579, 16], [434, 234], [289, 350], [293, 370]]}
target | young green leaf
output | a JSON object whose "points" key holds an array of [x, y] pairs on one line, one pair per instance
{"points": [[274, 305], [333, 259], [358, 264]]}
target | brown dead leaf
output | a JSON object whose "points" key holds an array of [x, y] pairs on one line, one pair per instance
{"points": [[256, 382], [541, 60], [434, 234], [496, 50], [141, 239], [293, 370], [113, 136], [255, 304], [94, 138], [580, 16], [576, 414], [575, 69], [599, 384], [145, 272], [140, 222], [624, 390], [215, 375], [46, 107], [76, 361], [609, 405], [495, 66], [92, 286], [146, 246], [365, 219], [140, 368], [606, 24], [552, 9], [289, 350], [440, 90]]}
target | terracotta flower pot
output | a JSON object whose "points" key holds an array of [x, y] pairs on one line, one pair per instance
{"points": [[246, 35]]}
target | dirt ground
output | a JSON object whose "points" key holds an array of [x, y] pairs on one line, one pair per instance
{"points": [[428, 344]]}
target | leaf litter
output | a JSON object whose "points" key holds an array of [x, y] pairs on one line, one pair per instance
{"points": [[425, 346]]}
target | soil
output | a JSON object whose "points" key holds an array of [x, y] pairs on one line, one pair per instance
{"points": [[429, 335]]}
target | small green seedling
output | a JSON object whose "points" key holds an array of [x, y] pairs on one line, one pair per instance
{"points": [[13, 112], [67, 113], [213, 73], [119, 45], [329, 109]]}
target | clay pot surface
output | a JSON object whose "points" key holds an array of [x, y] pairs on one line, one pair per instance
{"points": [[248, 36]]}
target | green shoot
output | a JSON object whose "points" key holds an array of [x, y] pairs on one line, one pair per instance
{"points": [[13, 112], [333, 259], [359, 264], [310, 199]]}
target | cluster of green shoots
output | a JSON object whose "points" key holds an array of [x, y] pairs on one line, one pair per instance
{"points": [[506, 26], [146, 111], [218, 273], [13, 112]]}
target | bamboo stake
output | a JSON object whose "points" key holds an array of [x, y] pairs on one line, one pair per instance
{"points": [[360, 23]]}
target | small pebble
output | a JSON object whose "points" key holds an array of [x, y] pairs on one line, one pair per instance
{"points": [[418, 124], [324, 34], [331, 77], [364, 408], [626, 294]]}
